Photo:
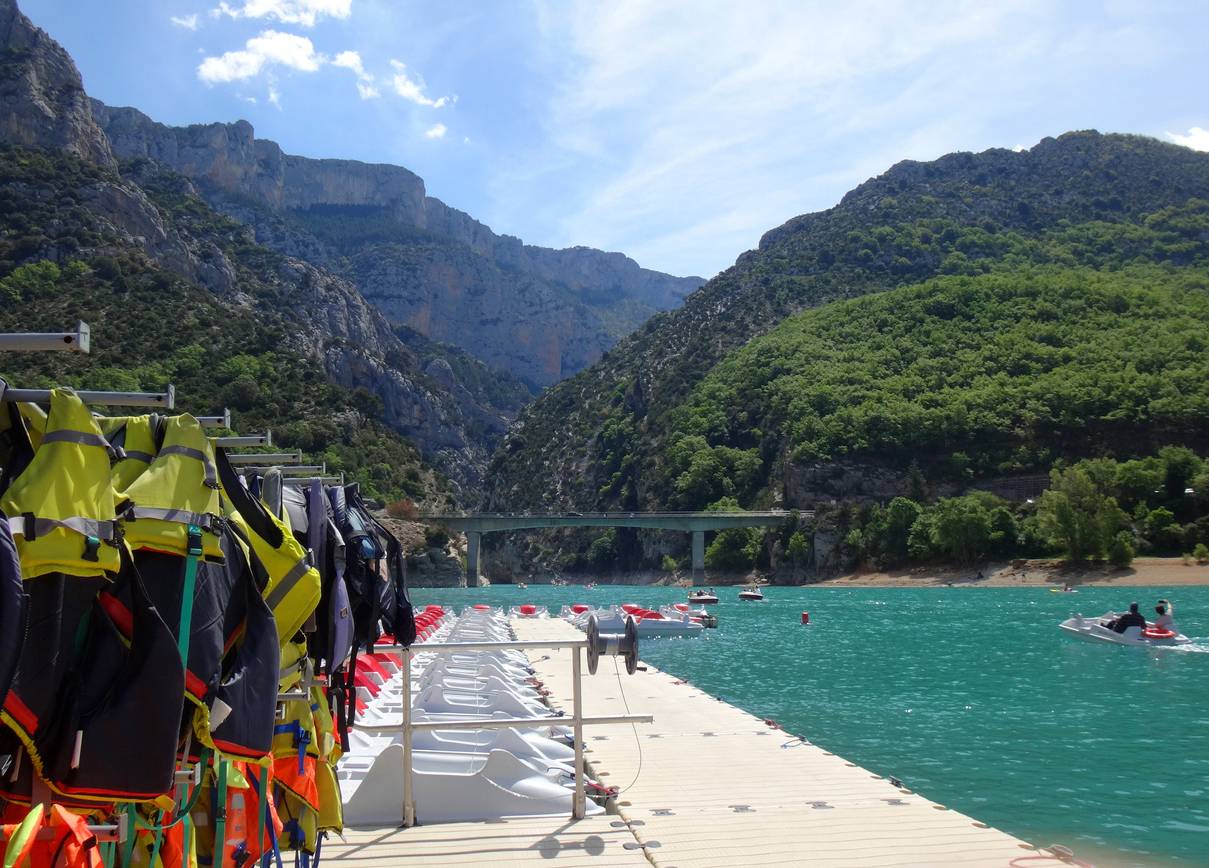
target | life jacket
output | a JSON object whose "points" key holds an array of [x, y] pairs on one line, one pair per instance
{"points": [[69, 844], [114, 732], [60, 508], [135, 438], [295, 741], [13, 606], [293, 588], [244, 838], [332, 641]]}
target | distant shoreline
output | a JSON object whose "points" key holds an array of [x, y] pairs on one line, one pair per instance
{"points": [[1142, 573]]}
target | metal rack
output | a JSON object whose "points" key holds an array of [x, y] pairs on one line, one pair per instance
{"points": [[73, 342]]}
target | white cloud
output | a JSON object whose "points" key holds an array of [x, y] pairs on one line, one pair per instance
{"points": [[189, 22], [365, 81], [303, 12], [231, 66], [1196, 138], [412, 90], [269, 48], [352, 60], [436, 132], [274, 96]]}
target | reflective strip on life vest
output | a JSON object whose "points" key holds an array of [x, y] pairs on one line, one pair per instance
{"points": [[21, 526], [287, 583]]}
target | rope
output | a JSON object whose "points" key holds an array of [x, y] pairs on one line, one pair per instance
{"points": [[633, 726], [1061, 853]]}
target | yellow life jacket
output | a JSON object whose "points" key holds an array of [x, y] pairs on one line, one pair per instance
{"points": [[179, 488], [293, 587], [61, 507], [138, 447]]}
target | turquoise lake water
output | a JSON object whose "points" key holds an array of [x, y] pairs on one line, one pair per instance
{"points": [[971, 696]]}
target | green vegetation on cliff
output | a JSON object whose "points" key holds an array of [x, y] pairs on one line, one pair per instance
{"points": [[60, 263]]}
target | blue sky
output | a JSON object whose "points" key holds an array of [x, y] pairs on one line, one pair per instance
{"points": [[676, 131]]}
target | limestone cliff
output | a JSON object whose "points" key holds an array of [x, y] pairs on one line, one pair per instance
{"points": [[42, 99], [538, 313]]}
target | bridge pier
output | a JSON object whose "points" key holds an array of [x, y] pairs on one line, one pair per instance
{"points": [[698, 555], [473, 542]]}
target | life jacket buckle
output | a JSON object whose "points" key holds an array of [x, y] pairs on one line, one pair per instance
{"points": [[194, 543], [29, 526], [92, 545]]}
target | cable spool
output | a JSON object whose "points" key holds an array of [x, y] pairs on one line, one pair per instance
{"points": [[623, 644]]}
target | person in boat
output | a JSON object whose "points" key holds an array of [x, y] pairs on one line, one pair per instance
{"points": [[1132, 618], [1164, 619]]}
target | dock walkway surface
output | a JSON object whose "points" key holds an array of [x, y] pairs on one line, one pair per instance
{"points": [[705, 785]]}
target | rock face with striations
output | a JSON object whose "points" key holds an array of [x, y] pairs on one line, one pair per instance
{"points": [[42, 99], [540, 314]]}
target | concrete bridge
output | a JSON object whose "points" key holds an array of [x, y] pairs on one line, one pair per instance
{"points": [[696, 523]]}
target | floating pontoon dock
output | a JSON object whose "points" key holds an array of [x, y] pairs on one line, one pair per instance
{"points": [[716, 787]]}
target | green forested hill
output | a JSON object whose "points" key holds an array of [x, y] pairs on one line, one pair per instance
{"points": [[969, 376], [1022, 307]]}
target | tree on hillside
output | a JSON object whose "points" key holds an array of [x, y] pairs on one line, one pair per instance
{"points": [[1077, 516], [890, 528], [798, 550], [1180, 467], [962, 527]]}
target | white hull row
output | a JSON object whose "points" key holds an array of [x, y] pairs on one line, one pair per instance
{"points": [[651, 625], [1094, 630], [458, 775]]}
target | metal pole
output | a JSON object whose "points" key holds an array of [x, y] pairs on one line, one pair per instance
{"points": [[409, 801], [77, 341], [579, 808]]}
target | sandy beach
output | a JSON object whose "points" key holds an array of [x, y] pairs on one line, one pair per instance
{"points": [[1144, 572]]}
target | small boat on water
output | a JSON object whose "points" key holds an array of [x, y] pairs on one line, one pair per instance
{"points": [[703, 597], [522, 586], [752, 593], [1097, 630]]}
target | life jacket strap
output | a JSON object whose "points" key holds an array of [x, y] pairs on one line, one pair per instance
{"points": [[30, 527], [208, 523]]}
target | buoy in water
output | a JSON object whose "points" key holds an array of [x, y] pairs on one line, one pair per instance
{"points": [[806, 618]]}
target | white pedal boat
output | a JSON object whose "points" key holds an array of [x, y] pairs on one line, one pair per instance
{"points": [[1093, 629], [469, 787], [529, 610], [651, 625]]}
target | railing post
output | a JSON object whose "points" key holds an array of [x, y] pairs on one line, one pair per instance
{"points": [[579, 808], [409, 800]]}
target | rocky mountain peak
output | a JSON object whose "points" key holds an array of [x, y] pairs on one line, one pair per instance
{"points": [[42, 99]]}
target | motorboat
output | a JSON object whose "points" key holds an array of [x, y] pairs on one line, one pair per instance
{"points": [[704, 597], [1095, 629], [752, 593]]}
